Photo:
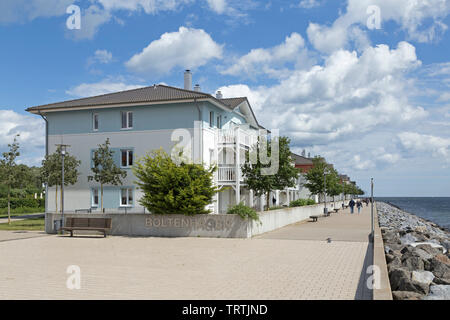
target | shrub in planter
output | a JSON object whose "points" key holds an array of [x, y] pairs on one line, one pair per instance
{"points": [[244, 212], [301, 203]]}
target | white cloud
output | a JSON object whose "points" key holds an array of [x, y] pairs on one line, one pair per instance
{"points": [[308, 4], [101, 56], [186, 48], [438, 147], [218, 6], [412, 16], [32, 134], [255, 97], [91, 20], [272, 61], [148, 6], [444, 97], [347, 95], [99, 88]]}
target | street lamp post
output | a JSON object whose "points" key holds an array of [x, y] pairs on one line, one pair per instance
{"points": [[371, 209], [63, 154], [325, 210]]}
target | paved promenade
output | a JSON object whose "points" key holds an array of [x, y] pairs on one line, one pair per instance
{"points": [[295, 262]]}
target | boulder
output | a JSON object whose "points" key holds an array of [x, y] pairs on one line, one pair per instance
{"points": [[439, 292], [440, 267], [414, 286], [406, 295], [441, 281], [395, 263], [431, 243], [429, 249], [408, 239], [396, 276], [442, 258], [425, 277], [412, 262]]}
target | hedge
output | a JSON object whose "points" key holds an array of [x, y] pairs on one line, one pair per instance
{"points": [[301, 203], [22, 202]]}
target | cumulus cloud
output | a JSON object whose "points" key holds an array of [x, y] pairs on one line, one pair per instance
{"points": [[421, 20], [272, 61], [218, 6], [187, 48], [349, 94], [101, 56], [99, 88], [32, 135], [438, 147]]}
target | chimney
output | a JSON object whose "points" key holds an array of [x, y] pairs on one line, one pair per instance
{"points": [[188, 80], [219, 95], [197, 88]]}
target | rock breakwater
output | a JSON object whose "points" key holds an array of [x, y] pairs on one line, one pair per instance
{"points": [[417, 255]]}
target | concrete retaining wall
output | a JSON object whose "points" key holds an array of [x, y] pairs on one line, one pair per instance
{"points": [[211, 225]]}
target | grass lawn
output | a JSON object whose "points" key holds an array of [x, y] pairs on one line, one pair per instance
{"points": [[28, 224]]}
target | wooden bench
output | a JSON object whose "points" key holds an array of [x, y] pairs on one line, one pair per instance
{"points": [[314, 218], [336, 210], [88, 224]]}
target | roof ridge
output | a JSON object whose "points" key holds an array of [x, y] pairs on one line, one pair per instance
{"points": [[184, 90], [97, 96]]}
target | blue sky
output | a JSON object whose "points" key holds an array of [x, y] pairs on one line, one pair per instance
{"points": [[374, 101]]}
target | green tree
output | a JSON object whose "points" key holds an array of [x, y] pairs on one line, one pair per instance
{"points": [[263, 184], [51, 171], [322, 173], [104, 169], [8, 174], [334, 187], [171, 188]]}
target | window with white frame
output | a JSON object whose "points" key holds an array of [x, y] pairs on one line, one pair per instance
{"points": [[126, 197], [219, 122], [95, 197], [95, 121], [126, 160], [127, 120], [211, 119]]}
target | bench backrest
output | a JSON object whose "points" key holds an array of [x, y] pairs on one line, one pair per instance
{"points": [[88, 223]]}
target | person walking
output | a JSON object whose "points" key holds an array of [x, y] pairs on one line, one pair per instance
{"points": [[359, 205], [351, 204]]}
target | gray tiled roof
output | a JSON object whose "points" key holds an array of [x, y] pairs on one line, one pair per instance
{"points": [[233, 102], [300, 159], [153, 93]]}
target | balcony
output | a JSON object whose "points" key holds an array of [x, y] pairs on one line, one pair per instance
{"points": [[229, 136], [228, 174]]}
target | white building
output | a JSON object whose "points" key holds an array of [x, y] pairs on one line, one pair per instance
{"points": [[141, 120]]}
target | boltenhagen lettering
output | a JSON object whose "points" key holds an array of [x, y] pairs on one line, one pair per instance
{"points": [[197, 223]]}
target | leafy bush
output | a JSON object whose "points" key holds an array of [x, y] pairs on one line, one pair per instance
{"points": [[22, 202], [244, 212], [301, 203], [171, 188]]}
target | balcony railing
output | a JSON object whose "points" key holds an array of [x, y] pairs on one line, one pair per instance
{"points": [[228, 174], [228, 136]]}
